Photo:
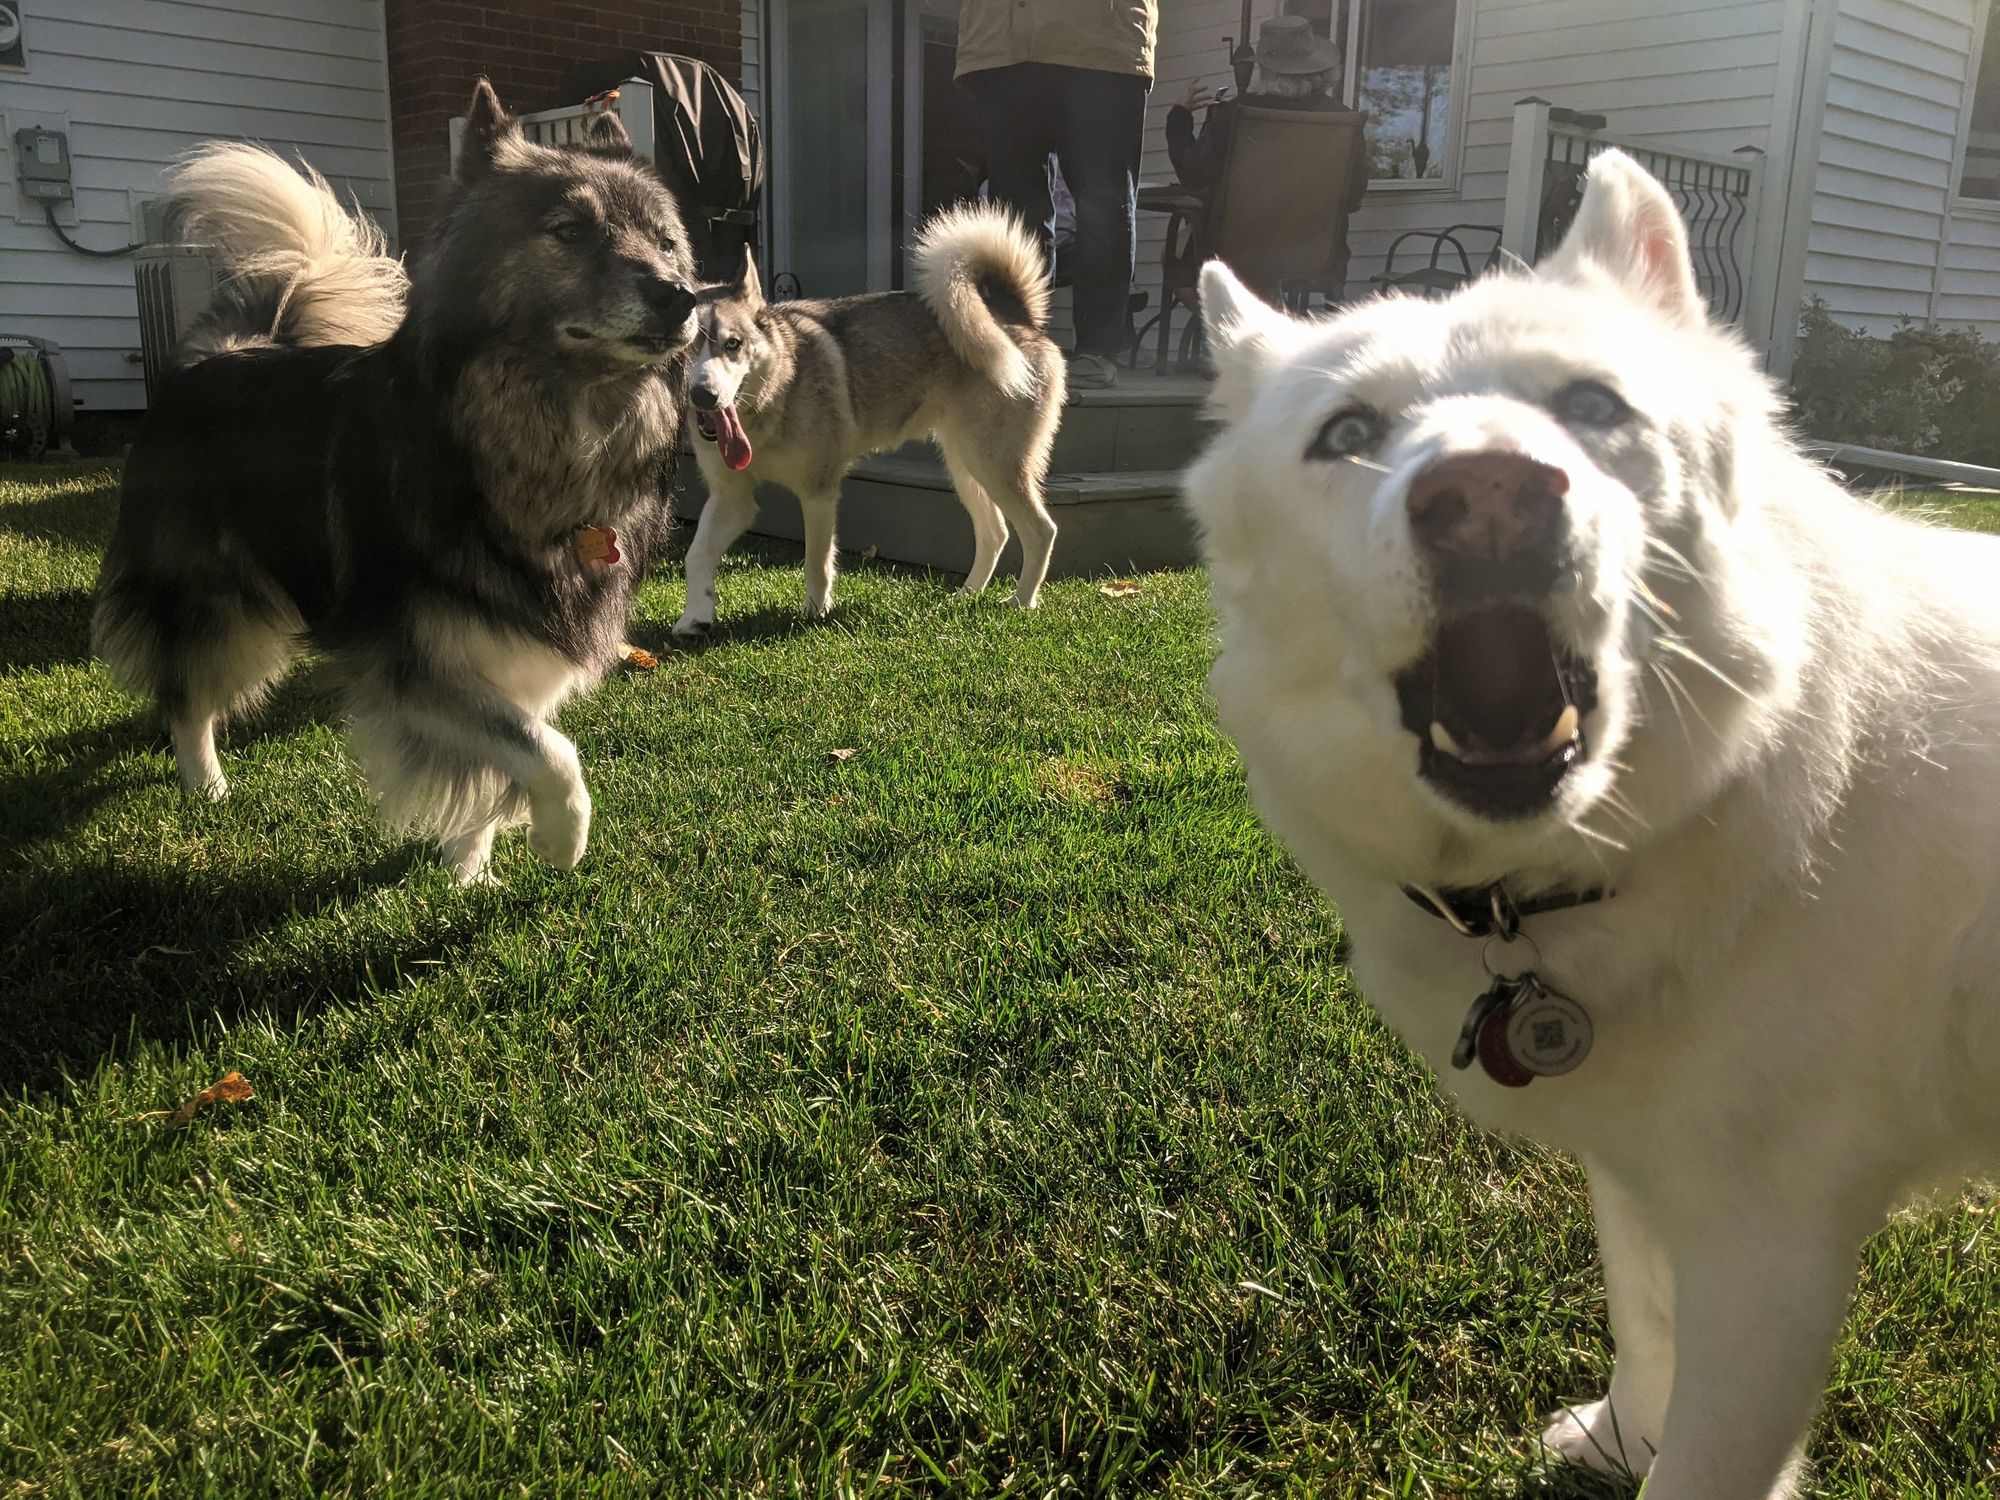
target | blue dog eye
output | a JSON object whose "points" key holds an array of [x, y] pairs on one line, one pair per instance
{"points": [[1590, 404], [1346, 433]]}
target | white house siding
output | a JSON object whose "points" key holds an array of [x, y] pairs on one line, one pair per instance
{"points": [[1700, 74], [141, 81], [1888, 143], [751, 85], [1968, 284]]}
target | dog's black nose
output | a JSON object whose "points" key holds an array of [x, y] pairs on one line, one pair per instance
{"points": [[1491, 517], [704, 398], [669, 301]]}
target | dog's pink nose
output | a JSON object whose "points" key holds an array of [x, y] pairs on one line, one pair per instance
{"points": [[1488, 506]]}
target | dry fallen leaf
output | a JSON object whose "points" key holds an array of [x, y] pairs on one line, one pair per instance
{"points": [[1118, 588], [231, 1086], [171, 952], [640, 658], [835, 757], [871, 553]]}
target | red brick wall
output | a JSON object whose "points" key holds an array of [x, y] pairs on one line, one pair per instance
{"points": [[437, 48]]}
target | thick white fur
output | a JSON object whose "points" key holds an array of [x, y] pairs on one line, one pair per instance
{"points": [[1793, 788], [958, 249], [277, 226]]}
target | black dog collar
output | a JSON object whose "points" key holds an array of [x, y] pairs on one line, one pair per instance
{"points": [[1488, 911]]}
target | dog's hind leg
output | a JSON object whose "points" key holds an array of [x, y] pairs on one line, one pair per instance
{"points": [[989, 527], [818, 513], [198, 652], [732, 506], [1018, 492]]}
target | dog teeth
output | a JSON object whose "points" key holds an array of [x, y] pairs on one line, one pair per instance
{"points": [[1441, 738], [1563, 733]]}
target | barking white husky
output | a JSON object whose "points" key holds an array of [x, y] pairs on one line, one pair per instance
{"points": [[1551, 659]]}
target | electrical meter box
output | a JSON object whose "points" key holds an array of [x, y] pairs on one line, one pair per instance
{"points": [[44, 158]]}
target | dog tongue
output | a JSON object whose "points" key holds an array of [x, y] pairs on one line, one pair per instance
{"points": [[734, 441]]}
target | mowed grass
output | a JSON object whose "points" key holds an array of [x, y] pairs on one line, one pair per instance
{"points": [[984, 1112]]}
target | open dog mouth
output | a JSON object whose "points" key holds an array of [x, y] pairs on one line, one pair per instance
{"points": [[1497, 706], [724, 427]]}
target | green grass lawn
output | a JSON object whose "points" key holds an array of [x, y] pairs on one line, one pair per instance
{"points": [[985, 1112]]}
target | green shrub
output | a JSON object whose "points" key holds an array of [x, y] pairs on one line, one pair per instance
{"points": [[1923, 389]]}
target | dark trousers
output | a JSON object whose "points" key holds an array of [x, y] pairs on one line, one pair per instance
{"points": [[1095, 123]]}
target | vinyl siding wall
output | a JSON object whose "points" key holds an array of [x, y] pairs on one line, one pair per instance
{"points": [[141, 81], [1886, 172], [1700, 74]]}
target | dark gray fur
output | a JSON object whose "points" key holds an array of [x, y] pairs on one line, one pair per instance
{"points": [[411, 508]]}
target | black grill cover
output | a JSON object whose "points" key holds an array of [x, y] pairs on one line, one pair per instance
{"points": [[705, 144]]}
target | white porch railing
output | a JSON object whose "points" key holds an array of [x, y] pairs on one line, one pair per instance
{"points": [[631, 101], [1717, 195]]}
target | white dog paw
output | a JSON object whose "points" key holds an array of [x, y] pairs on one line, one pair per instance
{"points": [[818, 609], [212, 788], [560, 830], [1589, 1437], [688, 627]]}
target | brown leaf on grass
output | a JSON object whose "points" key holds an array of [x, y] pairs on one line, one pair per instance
{"points": [[1118, 588], [846, 752], [231, 1086], [640, 659], [871, 553]]}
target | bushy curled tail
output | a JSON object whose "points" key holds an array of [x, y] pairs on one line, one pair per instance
{"points": [[975, 265], [300, 268]]}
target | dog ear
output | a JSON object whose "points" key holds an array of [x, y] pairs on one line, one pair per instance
{"points": [[607, 133], [489, 129], [748, 285], [1628, 225], [1242, 327]]}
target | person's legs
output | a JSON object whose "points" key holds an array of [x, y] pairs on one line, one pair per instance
{"points": [[1102, 134], [1018, 118]]}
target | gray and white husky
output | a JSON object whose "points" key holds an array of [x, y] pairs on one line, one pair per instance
{"points": [[794, 393]]}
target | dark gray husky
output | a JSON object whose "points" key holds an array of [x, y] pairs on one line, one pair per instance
{"points": [[452, 495]]}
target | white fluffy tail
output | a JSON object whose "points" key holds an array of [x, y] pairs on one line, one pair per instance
{"points": [[967, 253], [301, 268]]}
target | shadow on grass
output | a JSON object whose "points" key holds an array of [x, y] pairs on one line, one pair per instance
{"points": [[113, 955], [89, 765], [38, 631]]}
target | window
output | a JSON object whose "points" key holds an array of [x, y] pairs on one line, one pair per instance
{"points": [[1979, 177], [1399, 69]]}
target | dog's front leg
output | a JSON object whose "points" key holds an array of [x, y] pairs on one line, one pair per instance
{"points": [[732, 506], [1761, 1281], [817, 512], [1620, 1433], [454, 736]]}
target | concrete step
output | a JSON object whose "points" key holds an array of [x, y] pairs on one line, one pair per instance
{"points": [[1145, 423], [904, 507]]}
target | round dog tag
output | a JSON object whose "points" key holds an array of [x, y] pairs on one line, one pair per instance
{"points": [[1548, 1034]]}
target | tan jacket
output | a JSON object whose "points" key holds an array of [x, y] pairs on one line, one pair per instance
{"points": [[1109, 36]]}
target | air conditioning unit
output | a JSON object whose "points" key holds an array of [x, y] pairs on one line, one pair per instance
{"points": [[176, 284]]}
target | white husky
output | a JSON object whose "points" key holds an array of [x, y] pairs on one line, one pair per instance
{"points": [[1534, 623]]}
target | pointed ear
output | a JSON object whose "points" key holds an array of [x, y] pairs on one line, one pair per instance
{"points": [[607, 133], [748, 285], [1629, 226], [487, 128], [1242, 328]]}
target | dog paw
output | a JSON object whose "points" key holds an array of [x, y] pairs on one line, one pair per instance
{"points": [[688, 628], [560, 830], [818, 609], [210, 788], [1590, 1438], [1025, 601]]}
